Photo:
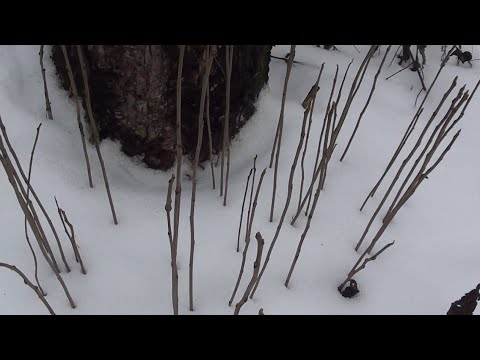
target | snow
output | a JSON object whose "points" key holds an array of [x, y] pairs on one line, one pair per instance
{"points": [[434, 260]]}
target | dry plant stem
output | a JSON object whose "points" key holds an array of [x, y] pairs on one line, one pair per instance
{"points": [[208, 60], [407, 132], [394, 56], [77, 106], [43, 242], [48, 107], [366, 104], [339, 95], [399, 71], [302, 162], [256, 267], [178, 183], [280, 132], [70, 235], [425, 149], [319, 146], [10, 170], [251, 193], [327, 150], [243, 206], [328, 146], [289, 196], [226, 134], [247, 239], [95, 131], [355, 270], [209, 130], [407, 159], [30, 285], [28, 200], [168, 208]]}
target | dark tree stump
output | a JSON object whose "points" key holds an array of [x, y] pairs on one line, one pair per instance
{"points": [[133, 91]]}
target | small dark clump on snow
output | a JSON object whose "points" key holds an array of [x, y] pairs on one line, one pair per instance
{"points": [[467, 304], [351, 290]]}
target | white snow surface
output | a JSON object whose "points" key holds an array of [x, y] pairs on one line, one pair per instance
{"points": [[434, 261]]}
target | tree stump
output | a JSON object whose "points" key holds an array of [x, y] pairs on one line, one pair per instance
{"points": [[133, 92]]}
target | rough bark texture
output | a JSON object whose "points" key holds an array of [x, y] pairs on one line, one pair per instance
{"points": [[133, 95]]}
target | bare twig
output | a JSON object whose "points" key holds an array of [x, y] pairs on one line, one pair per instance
{"points": [[399, 71], [289, 196], [251, 193], [30, 285], [247, 238], [27, 200], [45, 89], [366, 104], [256, 268], [79, 120], [356, 269], [312, 97], [168, 208], [34, 225], [327, 150], [243, 206], [178, 183], [70, 235], [207, 63], [407, 132], [43, 241], [226, 134], [278, 138], [209, 130], [95, 131], [409, 156]]}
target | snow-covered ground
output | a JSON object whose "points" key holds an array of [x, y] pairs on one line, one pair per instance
{"points": [[434, 261]]}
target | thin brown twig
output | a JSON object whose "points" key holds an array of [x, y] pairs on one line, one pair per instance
{"points": [[79, 120], [48, 106], [70, 235], [256, 267], [94, 129], [247, 238]]}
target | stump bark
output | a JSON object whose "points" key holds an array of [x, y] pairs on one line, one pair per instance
{"points": [[133, 93]]}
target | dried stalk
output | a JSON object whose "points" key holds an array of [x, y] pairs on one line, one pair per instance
{"points": [[70, 235], [79, 120], [28, 200], [256, 267], [319, 146], [418, 160], [168, 208], [243, 206], [207, 62], [95, 131], [280, 131], [30, 285], [366, 104], [226, 134], [327, 151], [178, 184], [251, 192], [355, 270], [284, 98], [43, 241], [407, 132], [45, 89], [247, 238], [209, 130], [289, 196], [409, 156], [312, 99], [10, 170]]}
